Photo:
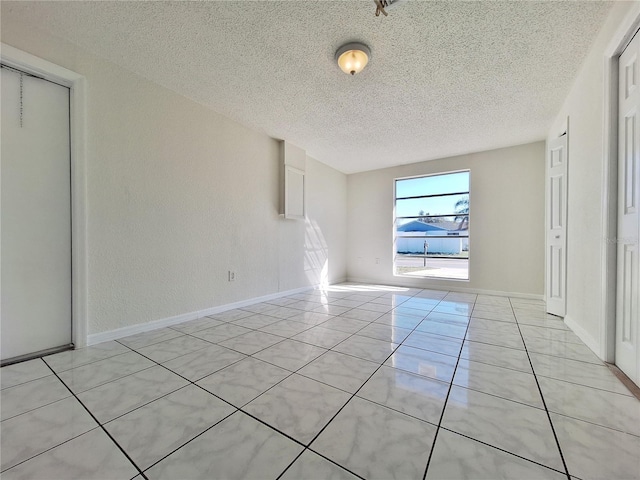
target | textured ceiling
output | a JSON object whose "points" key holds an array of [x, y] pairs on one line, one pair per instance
{"points": [[445, 78]]}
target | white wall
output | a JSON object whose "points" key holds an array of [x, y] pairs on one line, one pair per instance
{"points": [[176, 194], [506, 224], [326, 229], [588, 239]]}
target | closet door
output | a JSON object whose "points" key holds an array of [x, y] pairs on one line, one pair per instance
{"points": [[556, 229], [35, 247], [628, 276]]}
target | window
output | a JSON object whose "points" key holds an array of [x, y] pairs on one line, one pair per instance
{"points": [[431, 227]]}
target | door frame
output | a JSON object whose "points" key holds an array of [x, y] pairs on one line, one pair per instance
{"points": [[28, 63], [623, 35]]}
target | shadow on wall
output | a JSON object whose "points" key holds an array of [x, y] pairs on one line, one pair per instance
{"points": [[316, 256]]}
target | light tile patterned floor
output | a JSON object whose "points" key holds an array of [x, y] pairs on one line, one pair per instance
{"points": [[357, 381]]}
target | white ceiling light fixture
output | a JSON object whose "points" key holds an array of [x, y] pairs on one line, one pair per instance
{"points": [[353, 57]]}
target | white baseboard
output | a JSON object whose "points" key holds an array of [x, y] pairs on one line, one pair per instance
{"points": [[588, 340], [185, 317], [531, 296], [95, 338], [252, 301]]}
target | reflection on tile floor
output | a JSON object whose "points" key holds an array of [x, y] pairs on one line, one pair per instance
{"points": [[358, 381]]}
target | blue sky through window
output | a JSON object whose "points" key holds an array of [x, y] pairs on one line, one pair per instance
{"points": [[431, 185]]}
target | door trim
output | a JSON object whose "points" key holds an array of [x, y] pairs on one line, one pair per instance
{"points": [[26, 62], [608, 258]]}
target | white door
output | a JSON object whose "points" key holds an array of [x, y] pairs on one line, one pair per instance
{"points": [[628, 287], [556, 226], [35, 243]]}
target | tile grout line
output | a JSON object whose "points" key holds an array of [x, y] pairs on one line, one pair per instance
{"points": [[600, 389], [192, 383], [158, 398], [48, 449], [295, 371], [246, 356], [326, 349], [109, 381], [89, 362], [308, 446], [528, 460], [305, 447], [237, 409], [240, 409], [35, 408], [444, 406], [553, 430], [100, 425], [258, 330]]}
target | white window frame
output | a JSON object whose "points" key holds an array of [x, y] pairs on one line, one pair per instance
{"points": [[395, 219]]}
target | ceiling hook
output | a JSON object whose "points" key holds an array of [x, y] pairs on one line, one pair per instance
{"points": [[380, 8]]}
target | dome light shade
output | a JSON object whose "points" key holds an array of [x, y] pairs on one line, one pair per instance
{"points": [[353, 57]]}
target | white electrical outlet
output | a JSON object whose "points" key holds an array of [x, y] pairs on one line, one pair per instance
{"points": [[232, 276], [377, 261]]}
